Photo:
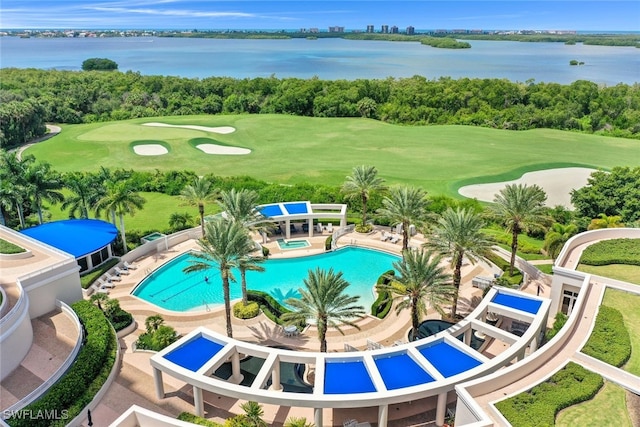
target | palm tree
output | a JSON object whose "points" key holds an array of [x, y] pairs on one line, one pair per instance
{"points": [[120, 199], [297, 422], [83, 197], [98, 299], [421, 282], [555, 238], [457, 234], [44, 184], [253, 413], [197, 194], [362, 182], [224, 243], [180, 220], [323, 300], [14, 170], [152, 323], [405, 205], [248, 263], [520, 208], [605, 221]]}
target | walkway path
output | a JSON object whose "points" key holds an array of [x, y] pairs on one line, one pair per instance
{"points": [[52, 130]]}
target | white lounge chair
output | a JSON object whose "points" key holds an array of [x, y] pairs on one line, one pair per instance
{"points": [[395, 238], [104, 283], [120, 271], [319, 227], [130, 266], [330, 228], [384, 236], [99, 290], [112, 278]]}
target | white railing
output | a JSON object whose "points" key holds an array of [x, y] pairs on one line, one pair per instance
{"points": [[6, 322], [42, 388], [339, 233]]}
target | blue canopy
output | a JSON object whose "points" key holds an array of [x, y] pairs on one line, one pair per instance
{"points": [[78, 237]]}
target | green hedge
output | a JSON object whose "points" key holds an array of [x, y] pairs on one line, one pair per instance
{"points": [[559, 322], [88, 278], [194, 419], [538, 407], [75, 390], [269, 306], [504, 265], [609, 340], [615, 251], [381, 306]]}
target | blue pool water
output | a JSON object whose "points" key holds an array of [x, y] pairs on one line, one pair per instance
{"points": [[400, 370], [292, 244], [194, 353], [525, 304], [448, 360], [347, 377], [170, 288]]}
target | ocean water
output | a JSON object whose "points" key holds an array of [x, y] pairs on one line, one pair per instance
{"points": [[330, 59]]}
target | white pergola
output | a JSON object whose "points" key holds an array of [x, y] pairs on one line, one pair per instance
{"points": [[303, 210], [505, 302]]}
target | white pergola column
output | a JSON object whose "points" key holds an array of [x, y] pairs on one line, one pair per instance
{"points": [[317, 416], [467, 336], [157, 379], [383, 415], [287, 228], [198, 401], [275, 377], [310, 224], [441, 409], [236, 375]]}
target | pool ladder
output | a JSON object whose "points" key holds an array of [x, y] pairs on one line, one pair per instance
{"points": [[206, 306]]}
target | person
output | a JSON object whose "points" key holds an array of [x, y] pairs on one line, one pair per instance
{"points": [[206, 279]]}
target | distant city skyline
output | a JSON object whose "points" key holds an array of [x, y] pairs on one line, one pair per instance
{"points": [[352, 15]]}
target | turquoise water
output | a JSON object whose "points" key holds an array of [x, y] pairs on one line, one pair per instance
{"points": [[170, 288], [293, 244]]}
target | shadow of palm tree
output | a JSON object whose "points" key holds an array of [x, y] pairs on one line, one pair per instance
{"points": [[272, 335]]}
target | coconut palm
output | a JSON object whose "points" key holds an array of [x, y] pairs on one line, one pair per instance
{"points": [[405, 205], [248, 263], [197, 194], [224, 243], [420, 283], [120, 199], [557, 236], [519, 208], [297, 422], [457, 235], [362, 182], [43, 184], [323, 301], [83, 195], [605, 221], [13, 172]]}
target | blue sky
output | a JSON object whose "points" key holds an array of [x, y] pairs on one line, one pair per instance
{"points": [[352, 14]]}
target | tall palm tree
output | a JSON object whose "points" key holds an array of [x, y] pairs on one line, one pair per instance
{"points": [[248, 263], [406, 205], [519, 208], [224, 243], [120, 199], [297, 422], [199, 193], [323, 300], [13, 171], [44, 184], [421, 282], [362, 182], [83, 191], [605, 221], [458, 234], [557, 236]]}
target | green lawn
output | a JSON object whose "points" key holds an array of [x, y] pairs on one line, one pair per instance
{"points": [[289, 149], [629, 305], [624, 272], [607, 408]]}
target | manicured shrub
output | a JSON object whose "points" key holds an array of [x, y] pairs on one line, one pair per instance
{"points": [[381, 306], [86, 376], [88, 278], [614, 251], [327, 243], [157, 335], [194, 419], [269, 306], [249, 311], [609, 341], [538, 407], [559, 322], [265, 252]]}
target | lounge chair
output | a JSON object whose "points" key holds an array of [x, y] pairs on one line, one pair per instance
{"points": [[292, 228], [112, 278], [120, 271], [384, 236], [99, 290], [395, 238], [329, 227], [319, 227], [105, 283], [130, 266], [305, 227]]}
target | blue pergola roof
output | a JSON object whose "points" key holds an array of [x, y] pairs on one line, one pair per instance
{"points": [[78, 237]]}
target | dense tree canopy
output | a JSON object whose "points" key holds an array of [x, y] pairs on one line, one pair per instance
{"points": [[615, 193], [76, 97], [99, 64]]}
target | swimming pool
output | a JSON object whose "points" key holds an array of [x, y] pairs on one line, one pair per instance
{"points": [[292, 244], [169, 288]]}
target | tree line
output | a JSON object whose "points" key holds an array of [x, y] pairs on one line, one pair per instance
{"points": [[30, 97]]}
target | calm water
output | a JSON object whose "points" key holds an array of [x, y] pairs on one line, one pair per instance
{"points": [[330, 58], [171, 289]]}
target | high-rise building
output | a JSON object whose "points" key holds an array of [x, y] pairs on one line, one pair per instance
{"points": [[384, 29], [394, 30], [370, 29], [336, 29], [410, 30]]}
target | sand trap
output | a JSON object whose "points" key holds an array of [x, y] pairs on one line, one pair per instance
{"points": [[557, 183], [223, 149], [219, 129], [149, 150]]}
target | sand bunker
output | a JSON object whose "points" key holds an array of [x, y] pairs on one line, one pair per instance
{"points": [[219, 129], [150, 150], [223, 149], [557, 183]]}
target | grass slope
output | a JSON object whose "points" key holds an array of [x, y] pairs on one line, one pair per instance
{"points": [[289, 149], [629, 305], [608, 407]]}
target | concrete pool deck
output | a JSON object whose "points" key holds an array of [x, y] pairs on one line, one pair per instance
{"points": [[134, 383]]}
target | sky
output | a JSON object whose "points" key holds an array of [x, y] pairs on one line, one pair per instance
{"points": [[580, 15]]}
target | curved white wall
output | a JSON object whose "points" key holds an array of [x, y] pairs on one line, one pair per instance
{"points": [[16, 334]]}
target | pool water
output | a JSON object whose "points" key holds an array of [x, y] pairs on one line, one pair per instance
{"points": [[292, 244], [153, 236], [172, 289]]}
